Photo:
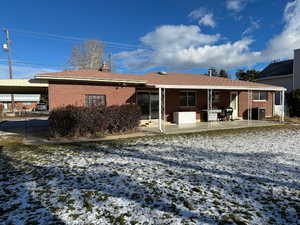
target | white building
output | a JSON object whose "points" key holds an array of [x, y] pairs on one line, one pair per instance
{"points": [[22, 101]]}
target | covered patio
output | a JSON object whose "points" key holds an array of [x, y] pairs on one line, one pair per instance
{"points": [[241, 99]]}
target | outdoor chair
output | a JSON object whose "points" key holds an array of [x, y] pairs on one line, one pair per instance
{"points": [[228, 113]]}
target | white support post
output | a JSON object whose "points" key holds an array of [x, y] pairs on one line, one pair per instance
{"points": [[150, 106], [164, 108], [159, 110], [282, 105], [209, 105]]}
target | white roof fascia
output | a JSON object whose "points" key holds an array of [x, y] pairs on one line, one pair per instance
{"points": [[221, 87]]}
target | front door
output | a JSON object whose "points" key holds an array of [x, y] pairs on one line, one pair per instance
{"points": [[148, 101], [234, 103]]}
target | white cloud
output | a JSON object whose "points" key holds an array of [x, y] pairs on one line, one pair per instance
{"points": [[203, 17], [186, 47], [254, 25], [22, 71], [178, 37], [236, 5], [282, 45]]}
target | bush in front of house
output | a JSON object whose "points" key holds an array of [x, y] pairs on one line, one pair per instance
{"points": [[74, 121], [293, 99]]}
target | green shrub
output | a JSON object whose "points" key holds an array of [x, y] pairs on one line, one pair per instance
{"points": [[73, 121], [293, 99]]}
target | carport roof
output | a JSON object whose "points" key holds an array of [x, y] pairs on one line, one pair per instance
{"points": [[23, 86]]}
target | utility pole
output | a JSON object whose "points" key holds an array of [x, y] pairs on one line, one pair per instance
{"points": [[6, 48]]}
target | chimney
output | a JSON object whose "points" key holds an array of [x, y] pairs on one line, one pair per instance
{"points": [[105, 67], [210, 71], [296, 78]]}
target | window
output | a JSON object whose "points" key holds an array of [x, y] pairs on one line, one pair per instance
{"points": [[216, 97], [277, 98], [187, 98], [260, 96], [95, 100]]}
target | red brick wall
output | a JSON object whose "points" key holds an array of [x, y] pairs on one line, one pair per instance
{"points": [[243, 104], [61, 94], [173, 104]]}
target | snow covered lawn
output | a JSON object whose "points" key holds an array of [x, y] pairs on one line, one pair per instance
{"points": [[249, 177]]}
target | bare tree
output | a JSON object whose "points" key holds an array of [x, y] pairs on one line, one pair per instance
{"points": [[87, 55]]}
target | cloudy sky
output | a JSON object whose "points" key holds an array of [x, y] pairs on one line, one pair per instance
{"points": [[172, 35]]}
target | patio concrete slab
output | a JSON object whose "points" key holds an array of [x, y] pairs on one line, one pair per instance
{"points": [[205, 126]]}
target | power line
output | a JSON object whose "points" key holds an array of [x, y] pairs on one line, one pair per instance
{"points": [[71, 38], [33, 64], [116, 45]]}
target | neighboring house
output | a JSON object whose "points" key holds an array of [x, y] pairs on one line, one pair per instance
{"points": [[23, 102], [158, 94], [284, 73]]}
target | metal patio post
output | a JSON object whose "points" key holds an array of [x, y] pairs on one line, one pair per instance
{"points": [[159, 110], [283, 105], [164, 109]]}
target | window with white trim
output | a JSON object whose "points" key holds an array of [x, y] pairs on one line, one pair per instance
{"points": [[260, 96], [187, 98], [277, 98], [95, 100]]}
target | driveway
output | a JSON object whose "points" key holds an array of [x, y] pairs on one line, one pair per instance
{"points": [[25, 127]]}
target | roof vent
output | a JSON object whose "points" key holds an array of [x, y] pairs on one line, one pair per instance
{"points": [[162, 73]]}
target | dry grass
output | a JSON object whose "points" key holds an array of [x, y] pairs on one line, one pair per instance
{"points": [[293, 119]]}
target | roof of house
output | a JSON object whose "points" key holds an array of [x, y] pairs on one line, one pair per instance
{"points": [[278, 69], [168, 80]]}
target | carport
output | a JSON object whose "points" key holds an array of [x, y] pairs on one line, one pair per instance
{"points": [[23, 86]]}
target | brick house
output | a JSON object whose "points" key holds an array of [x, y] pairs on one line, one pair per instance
{"points": [[160, 94]]}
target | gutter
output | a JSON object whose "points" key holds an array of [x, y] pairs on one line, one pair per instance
{"points": [[219, 87]]}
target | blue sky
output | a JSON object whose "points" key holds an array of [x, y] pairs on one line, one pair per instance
{"points": [[174, 35]]}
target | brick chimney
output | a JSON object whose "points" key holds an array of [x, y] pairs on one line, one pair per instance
{"points": [[105, 67], [296, 83]]}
